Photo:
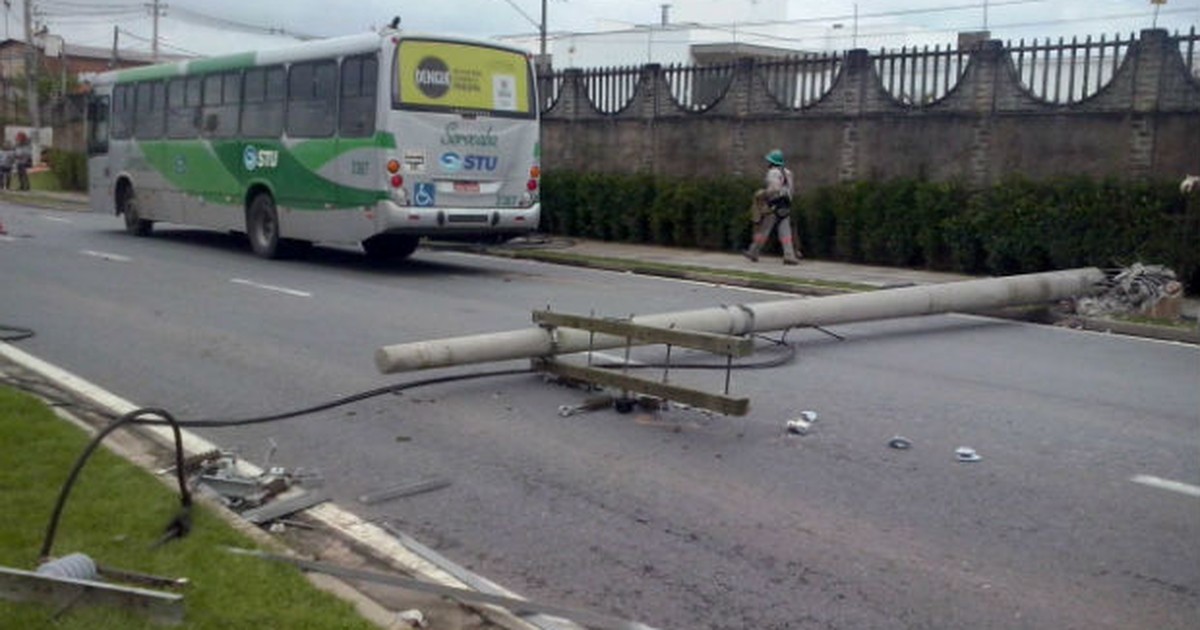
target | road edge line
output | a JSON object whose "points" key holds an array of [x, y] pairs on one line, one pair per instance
{"points": [[345, 524]]}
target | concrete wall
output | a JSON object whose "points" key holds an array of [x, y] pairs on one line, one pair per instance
{"points": [[1144, 122]]}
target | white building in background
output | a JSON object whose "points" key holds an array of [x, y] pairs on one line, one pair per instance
{"points": [[688, 22]]}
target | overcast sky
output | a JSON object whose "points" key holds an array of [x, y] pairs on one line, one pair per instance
{"points": [[209, 27]]}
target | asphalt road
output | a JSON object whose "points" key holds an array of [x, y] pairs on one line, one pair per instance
{"points": [[677, 519]]}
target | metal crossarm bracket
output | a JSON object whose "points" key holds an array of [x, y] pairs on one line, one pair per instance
{"points": [[716, 402], [726, 345]]}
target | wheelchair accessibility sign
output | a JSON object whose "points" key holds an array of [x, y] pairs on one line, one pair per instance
{"points": [[425, 194]]}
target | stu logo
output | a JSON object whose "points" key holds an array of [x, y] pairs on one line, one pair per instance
{"points": [[254, 159], [452, 162]]}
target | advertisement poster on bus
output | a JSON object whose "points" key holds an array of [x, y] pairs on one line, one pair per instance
{"points": [[438, 74]]}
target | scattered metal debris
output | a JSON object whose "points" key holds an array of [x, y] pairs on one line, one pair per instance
{"points": [[900, 443], [966, 454], [256, 497], [801, 425], [625, 404], [284, 507], [403, 490], [73, 580], [589, 404]]}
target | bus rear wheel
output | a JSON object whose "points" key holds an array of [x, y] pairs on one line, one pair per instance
{"points": [[390, 248], [262, 226], [127, 206]]}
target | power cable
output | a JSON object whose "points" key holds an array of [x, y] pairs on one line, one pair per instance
{"points": [[10, 334], [177, 528], [180, 525]]}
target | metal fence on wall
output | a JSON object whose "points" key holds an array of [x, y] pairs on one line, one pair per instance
{"points": [[1056, 72], [1068, 72]]}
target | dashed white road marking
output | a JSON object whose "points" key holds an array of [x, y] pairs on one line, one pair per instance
{"points": [[105, 255], [271, 287], [7, 239], [1167, 484], [56, 219]]}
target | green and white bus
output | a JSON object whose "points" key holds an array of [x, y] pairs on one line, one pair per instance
{"points": [[378, 139]]}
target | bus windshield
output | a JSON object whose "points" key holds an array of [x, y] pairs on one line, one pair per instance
{"points": [[434, 75]]}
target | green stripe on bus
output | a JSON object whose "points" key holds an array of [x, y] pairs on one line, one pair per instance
{"points": [[316, 153], [222, 63], [148, 73], [217, 173]]}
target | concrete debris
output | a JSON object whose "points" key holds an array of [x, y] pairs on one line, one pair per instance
{"points": [[900, 443], [1136, 288], [966, 454]]}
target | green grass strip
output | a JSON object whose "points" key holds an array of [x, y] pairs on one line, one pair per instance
{"points": [[115, 514]]}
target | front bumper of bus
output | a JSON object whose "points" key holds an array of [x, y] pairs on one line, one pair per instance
{"points": [[395, 218]]}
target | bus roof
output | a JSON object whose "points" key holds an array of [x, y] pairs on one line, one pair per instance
{"points": [[316, 49]]}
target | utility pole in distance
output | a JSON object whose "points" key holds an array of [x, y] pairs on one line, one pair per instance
{"points": [[31, 94], [157, 10]]}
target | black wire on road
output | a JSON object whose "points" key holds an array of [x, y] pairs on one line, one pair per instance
{"points": [[149, 416]]}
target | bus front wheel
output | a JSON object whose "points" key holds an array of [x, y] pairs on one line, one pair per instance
{"points": [[128, 207], [262, 226], [390, 248]]}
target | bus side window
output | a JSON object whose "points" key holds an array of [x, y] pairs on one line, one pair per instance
{"points": [[149, 105], [312, 99], [181, 116], [262, 106], [222, 96], [97, 120], [356, 110], [122, 112]]}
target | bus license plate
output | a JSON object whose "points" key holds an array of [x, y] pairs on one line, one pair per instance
{"points": [[466, 187]]}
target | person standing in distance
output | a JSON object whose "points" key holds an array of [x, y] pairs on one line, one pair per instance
{"points": [[778, 198]]}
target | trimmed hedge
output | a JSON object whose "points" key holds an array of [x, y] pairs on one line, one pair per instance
{"points": [[69, 168], [1018, 226]]}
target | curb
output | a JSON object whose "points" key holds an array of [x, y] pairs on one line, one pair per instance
{"points": [[766, 281], [749, 280], [369, 538]]}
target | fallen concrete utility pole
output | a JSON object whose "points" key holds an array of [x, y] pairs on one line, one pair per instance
{"points": [[967, 296]]}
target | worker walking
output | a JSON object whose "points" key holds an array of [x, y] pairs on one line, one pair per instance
{"points": [[776, 202]]}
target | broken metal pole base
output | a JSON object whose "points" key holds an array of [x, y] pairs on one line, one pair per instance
{"points": [[63, 592]]}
